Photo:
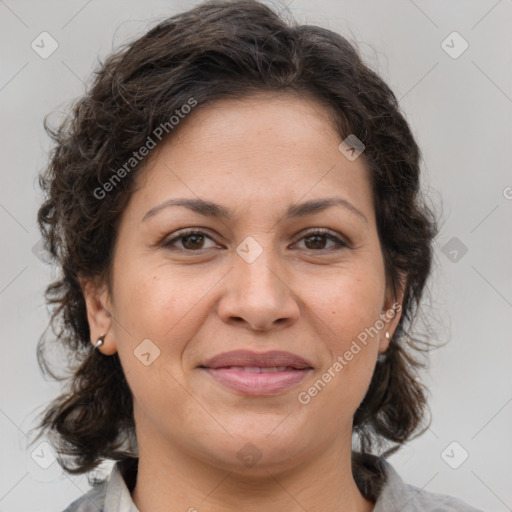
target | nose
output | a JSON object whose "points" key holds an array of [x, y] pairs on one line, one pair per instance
{"points": [[258, 295]]}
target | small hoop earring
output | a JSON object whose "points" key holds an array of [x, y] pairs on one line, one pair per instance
{"points": [[100, 341]]}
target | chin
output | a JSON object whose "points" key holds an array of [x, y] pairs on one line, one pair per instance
{"points": [[255, 453]]}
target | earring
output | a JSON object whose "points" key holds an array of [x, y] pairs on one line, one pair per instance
{"points": [[100, 341], [382, 357]]}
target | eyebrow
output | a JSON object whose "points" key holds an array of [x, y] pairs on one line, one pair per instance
{"points": [[210, 209]]}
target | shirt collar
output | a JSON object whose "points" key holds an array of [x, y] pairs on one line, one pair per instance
{"points": [[118, 497]]}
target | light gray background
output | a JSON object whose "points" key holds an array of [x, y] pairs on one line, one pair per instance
{"points": [[460, 111]]}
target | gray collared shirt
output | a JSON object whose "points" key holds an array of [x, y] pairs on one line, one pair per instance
{"points": [[113, 495]]}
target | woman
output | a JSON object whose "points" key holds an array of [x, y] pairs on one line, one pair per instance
{"points": [[236, 210]]}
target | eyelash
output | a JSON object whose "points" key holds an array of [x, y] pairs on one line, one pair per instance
{"points": [[341, 244]]}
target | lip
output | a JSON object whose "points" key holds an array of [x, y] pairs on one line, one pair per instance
{"points": [[227, 369], [267, 359]]}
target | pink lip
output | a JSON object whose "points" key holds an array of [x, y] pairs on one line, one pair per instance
{"points": [[257, 383], [257, 359], [227, 368]]}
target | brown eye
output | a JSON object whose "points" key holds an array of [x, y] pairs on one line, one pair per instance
{"points": [[190, 241], [193, 241], [317, 240]]}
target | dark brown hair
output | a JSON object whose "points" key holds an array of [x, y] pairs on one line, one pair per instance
{"points": [[220, 50]]}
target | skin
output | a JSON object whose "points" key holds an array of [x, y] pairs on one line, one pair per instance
{"points": [[308, 296]]}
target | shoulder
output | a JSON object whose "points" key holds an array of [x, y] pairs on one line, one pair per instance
{"points": [[434, 502], [112, 493], [92, 501], [398, 495]]}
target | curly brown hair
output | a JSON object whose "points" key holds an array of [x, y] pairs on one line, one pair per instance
{"points": [[216, 50]]}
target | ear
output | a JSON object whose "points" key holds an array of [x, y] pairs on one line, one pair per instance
{"points": [[98, 304], [391, 313]]}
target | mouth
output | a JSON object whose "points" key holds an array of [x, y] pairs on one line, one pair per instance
{"points": [[252, 373]]}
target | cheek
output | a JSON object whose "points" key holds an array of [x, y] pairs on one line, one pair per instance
{"points": [[347, 309], [347, 315], [157, 317], [153, 301], [347, 301]]}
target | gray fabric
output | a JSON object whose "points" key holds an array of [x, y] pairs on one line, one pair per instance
{"points": [[396, 496]]}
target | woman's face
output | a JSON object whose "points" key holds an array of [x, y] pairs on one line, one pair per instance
{"points": [[254, 279]]}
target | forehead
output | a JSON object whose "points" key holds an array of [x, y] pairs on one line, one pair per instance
{"points": [[271, 150]]}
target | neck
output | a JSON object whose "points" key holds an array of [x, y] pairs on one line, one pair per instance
{"points": [[173, 480]]}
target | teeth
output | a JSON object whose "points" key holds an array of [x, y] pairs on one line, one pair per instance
{"points": [[249, 369], [257, 369], [273, 369]]}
